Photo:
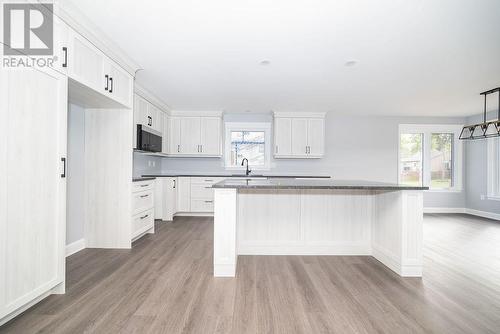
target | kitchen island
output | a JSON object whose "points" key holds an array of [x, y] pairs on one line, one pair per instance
{"points": [[318, 217]]}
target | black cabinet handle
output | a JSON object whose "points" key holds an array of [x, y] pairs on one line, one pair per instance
{"points": [[145, 216], [107, 82], [150, 121], [174, 184], [143, 196], [111, 85], [65, 50], [63, 175]]}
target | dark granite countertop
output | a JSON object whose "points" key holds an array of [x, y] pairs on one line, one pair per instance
{"points": [[138, 179], [256, 175], [311, 184]]}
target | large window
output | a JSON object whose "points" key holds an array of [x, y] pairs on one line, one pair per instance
{"points": [[247, 140], [494, 168], [430, 155]]}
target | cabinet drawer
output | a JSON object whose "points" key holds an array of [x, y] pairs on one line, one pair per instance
{"points": [[142, 201], [142, 222], [202, 205], [142, 185], [202, 191], [206, 180]]}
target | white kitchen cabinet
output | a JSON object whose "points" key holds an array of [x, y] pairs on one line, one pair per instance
{"points": [[174, 135], [202, 194], [210, 139], [33, 107], [184, 194], [61, 37], [143, 208], [121, 84], [190, 135], [283, 136], [299, 135], [193, 135], [86, 63], [170, 198], [165, 145], [316, 137]]}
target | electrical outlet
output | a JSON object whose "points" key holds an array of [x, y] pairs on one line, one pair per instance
{"points": [[483, 197], [149, 163], [154, 163]]}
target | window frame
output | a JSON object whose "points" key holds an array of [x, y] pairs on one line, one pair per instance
{"points": [[493, 166], [457, 152], [247, 126]]}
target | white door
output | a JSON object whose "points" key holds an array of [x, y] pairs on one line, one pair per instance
{"points": [[316, 136], [282, 136], [190, 135], [120, 84], [299, 136], [86, 63], [175, 135], [33, 107], [210, 136], [184, 194]]}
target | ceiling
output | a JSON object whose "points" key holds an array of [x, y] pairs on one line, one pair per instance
{"points": [[418, 58]]}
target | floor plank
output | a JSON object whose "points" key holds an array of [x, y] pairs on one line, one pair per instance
{"points": [[165, 285]]}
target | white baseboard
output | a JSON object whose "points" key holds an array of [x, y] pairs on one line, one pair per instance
{"points": [[484, 214], [75, 247], [194, 214], [445, 210]]}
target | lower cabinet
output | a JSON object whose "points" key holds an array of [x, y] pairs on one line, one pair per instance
{"points": [[185, 196], [143, 208]]}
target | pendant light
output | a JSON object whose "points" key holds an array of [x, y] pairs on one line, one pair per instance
{"points": [[487, 129]]}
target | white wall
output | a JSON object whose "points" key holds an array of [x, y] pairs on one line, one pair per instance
{"points": [[75, 207], [363, 148]]}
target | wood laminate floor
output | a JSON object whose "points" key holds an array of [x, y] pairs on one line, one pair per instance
{"points": [[165, 285]]}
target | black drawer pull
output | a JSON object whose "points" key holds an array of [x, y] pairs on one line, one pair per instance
{"points": [[145, 216], [143, 196]]}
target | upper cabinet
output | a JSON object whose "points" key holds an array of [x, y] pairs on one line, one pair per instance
{"points": [[299, 135], [147, 114], [150, 116], [90, 67], [193, 134]]}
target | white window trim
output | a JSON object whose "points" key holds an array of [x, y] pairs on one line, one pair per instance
{"points": [[427, 130], [247, 126], [493, 166]]}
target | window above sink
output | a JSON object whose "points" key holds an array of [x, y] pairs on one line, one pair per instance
{"points": [[247, 140]]}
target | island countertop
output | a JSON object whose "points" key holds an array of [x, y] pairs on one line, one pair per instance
{"points": [[312, 184]]}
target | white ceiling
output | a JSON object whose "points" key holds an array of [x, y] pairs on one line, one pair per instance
{"points": [[420, 57]]}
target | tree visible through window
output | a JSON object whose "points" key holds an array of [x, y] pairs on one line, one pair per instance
{"points": [[411, 159], [250, 145], [441, 160]]}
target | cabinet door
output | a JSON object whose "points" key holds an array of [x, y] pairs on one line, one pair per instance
{"points": [[299, 136], [120, 84], [184, 194], [190, 135], [159, 120], [165, 145], [282, 137], [61, 35], [170, 199], [316, 137], [210, 136], [175, 135], [86, 63], [33, 103]]}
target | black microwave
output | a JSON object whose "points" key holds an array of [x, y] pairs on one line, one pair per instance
{"points": [[148, 139]]}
